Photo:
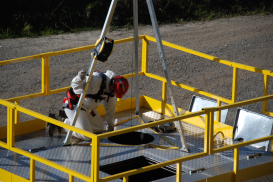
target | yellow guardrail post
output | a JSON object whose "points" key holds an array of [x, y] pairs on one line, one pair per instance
{"points": [[95, 159], [179, 172], [46, 75], [164, 97], [71, 178], [10, 127], [16, 114], [264, 108], [126, 179], [206, 137], [236, 164], [145, 50], [219, 112], [32, 170], [234, 84], [265, 92], [211, 132]]}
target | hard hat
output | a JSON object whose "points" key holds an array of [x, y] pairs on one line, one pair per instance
{"points": [[121, 86]]}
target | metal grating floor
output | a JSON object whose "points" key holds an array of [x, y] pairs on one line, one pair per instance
{"points": [[78, 158]]}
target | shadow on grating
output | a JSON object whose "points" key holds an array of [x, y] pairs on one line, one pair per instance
{"points": [[132, 138], [138, 162]]}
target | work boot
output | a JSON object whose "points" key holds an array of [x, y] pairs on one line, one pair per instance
{"points": [[61, 117], [51, 127]]}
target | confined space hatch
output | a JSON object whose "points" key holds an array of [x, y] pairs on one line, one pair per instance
{"points": [[138, 162], [132, 138], [249, 125], [197, 103]]}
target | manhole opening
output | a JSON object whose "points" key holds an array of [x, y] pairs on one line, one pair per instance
{"points": [[132, 138], [136, 163]]}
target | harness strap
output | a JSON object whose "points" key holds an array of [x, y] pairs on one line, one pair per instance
{"points": [[98, 96], [72, 99]]}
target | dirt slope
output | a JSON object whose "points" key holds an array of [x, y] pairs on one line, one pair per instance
{"points": [[247, 40]]}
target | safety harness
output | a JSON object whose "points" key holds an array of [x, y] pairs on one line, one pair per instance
{"points": [[71, 99], [99, 95]]}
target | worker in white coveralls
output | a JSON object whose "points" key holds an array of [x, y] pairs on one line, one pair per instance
{"points": [[104, 88]]}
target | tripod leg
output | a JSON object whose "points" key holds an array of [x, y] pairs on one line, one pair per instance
{"points": [[164, 63], [90, 71], [136, 53]]}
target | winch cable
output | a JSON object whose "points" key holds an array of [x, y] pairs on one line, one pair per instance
{"points": [[142, 122], [159, 147], [132, 71], [120, 145], [157, 133], [124, 121]]}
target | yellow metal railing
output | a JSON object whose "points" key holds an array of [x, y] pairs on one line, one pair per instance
{"points": [[10, 145], [219, 99], [208, 143], [13, 110]]}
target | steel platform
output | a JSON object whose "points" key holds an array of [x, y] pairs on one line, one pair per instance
{"points": [[78, 158]]}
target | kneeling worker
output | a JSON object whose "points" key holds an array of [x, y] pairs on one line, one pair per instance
{"points": [[104, 88]]}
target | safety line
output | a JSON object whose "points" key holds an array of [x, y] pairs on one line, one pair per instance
{"points": [[157, 133], [159, 147], [124, 121], [77, 141], [120, 145]]}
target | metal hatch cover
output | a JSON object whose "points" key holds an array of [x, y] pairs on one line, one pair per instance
{"points": [[197, 103], [249, 125]]}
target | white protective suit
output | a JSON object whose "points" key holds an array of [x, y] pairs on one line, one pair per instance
{"points": [[86, 120]]}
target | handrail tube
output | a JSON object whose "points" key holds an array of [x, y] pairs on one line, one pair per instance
{"points": [[147, 125], [4, 145], [59, 90], [129, 39], [25, 97], [57, 53], [64, 89], [46, 118], [184, 49], [50, 163], [193, 89], [200, 54], [239, 104], [50, 54], [154, 166], [242, 144], [213, 58]]}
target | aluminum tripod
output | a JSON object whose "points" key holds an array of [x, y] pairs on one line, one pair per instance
{"points": [[161, 56], [90, 72], [164, 63]]}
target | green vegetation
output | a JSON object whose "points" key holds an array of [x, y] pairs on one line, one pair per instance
{"points": [[46, 17]]}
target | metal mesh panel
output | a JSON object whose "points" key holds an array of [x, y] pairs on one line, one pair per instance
{"points": [[78, 158]]}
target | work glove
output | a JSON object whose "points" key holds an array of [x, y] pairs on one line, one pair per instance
{"points": [[82, 74]]}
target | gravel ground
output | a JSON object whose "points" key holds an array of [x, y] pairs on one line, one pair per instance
{"points": [[247, 40]]}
